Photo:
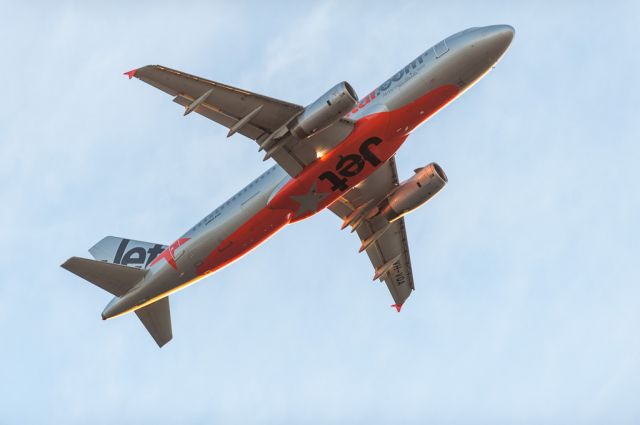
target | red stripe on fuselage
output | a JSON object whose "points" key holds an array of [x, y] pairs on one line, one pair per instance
{"points": [[248, 236]]}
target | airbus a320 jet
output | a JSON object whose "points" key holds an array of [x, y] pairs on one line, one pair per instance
{"points": [[337, 153]]}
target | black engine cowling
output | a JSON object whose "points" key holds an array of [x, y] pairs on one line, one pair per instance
{"points": [[329, 108], [412, 193]]}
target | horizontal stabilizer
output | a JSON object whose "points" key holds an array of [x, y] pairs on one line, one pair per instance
{"points": [[113, 278], [156, 318]]}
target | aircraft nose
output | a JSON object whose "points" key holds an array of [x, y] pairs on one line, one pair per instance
{"points": [[501, 33], [497, 39]]}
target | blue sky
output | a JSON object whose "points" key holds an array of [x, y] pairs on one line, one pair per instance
{"points": [[526, 308]]}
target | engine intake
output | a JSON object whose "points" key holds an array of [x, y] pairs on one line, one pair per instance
{"points": [[413, 192], [329, 108]]}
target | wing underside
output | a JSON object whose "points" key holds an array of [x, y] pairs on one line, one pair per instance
{"points": [[385, 243], [253, 115]]}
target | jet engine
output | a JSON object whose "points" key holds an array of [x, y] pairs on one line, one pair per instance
{"points": [[412, 193], [329, 108]]}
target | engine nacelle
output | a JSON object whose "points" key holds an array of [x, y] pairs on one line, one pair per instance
{"points": [[329, 108], [412, 193]]}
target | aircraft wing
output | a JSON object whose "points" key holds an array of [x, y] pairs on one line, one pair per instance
{"points": [[389, 253], [262, 115]]}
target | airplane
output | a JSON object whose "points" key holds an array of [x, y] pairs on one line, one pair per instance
{"points": [[337, 153]]}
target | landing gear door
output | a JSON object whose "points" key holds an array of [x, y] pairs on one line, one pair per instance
{"points": [[441, 48]]}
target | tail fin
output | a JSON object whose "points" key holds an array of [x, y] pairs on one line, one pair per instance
{"points": [[127, 252], [113, 278], [156, 318]]}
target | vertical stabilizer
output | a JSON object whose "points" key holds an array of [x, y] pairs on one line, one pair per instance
{"points": [[126, 252]]}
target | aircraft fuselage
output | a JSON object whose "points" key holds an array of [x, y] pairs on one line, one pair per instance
{"points": [[384, 119]]}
